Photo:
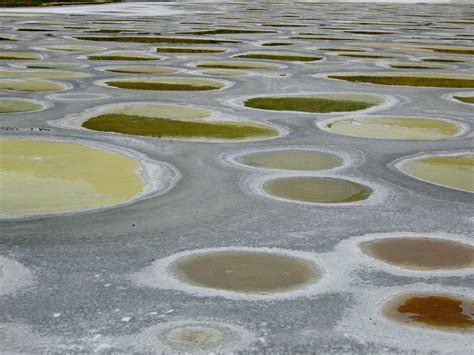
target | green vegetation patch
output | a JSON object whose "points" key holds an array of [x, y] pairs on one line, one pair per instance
{"points": [[137, 56], [289, 56], [171, 84], [342, 49], [411, 65], [369, 55], [54, 66], [409, 80], [224, 31], [361, 32], [278, 43], [137, 39], [20, 3], [318, 104], [19, 56], [235, 64], [465, 99], [443, 60], [165, 127], [454, 50], [190, 50]]}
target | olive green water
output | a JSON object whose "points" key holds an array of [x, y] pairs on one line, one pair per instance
{"points": [[163, 127], [234, 64], [441, 81], [316, 103], [465, 99], [171, 84], [317, 189], [290, 56]]}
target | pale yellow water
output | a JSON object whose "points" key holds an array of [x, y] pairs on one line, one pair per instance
{"points": [[225, 72], [75, 48], [142, 69], [451, 171], [39, 177], [395, 128], [41, 73], [292, 159], [18, 105], [30, 85]]}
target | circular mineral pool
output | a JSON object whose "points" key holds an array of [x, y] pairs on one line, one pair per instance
{"points": [[237, 64], [142, 69], [171, 121], [19, 56], [317, 189], [323, 103], [41, 74], [197, 336], [166, 84], [124, 55], [421, 253], [291, 159], [281, 56], [453, 171], [192, 50], [409, 79], [75, 48], [225, 72], [42, 177], [393, 127], [245, 271], [11, 105], [442, 311], [30, 85]]}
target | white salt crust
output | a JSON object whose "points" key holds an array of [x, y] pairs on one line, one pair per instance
{"points": [[13, 276]]}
